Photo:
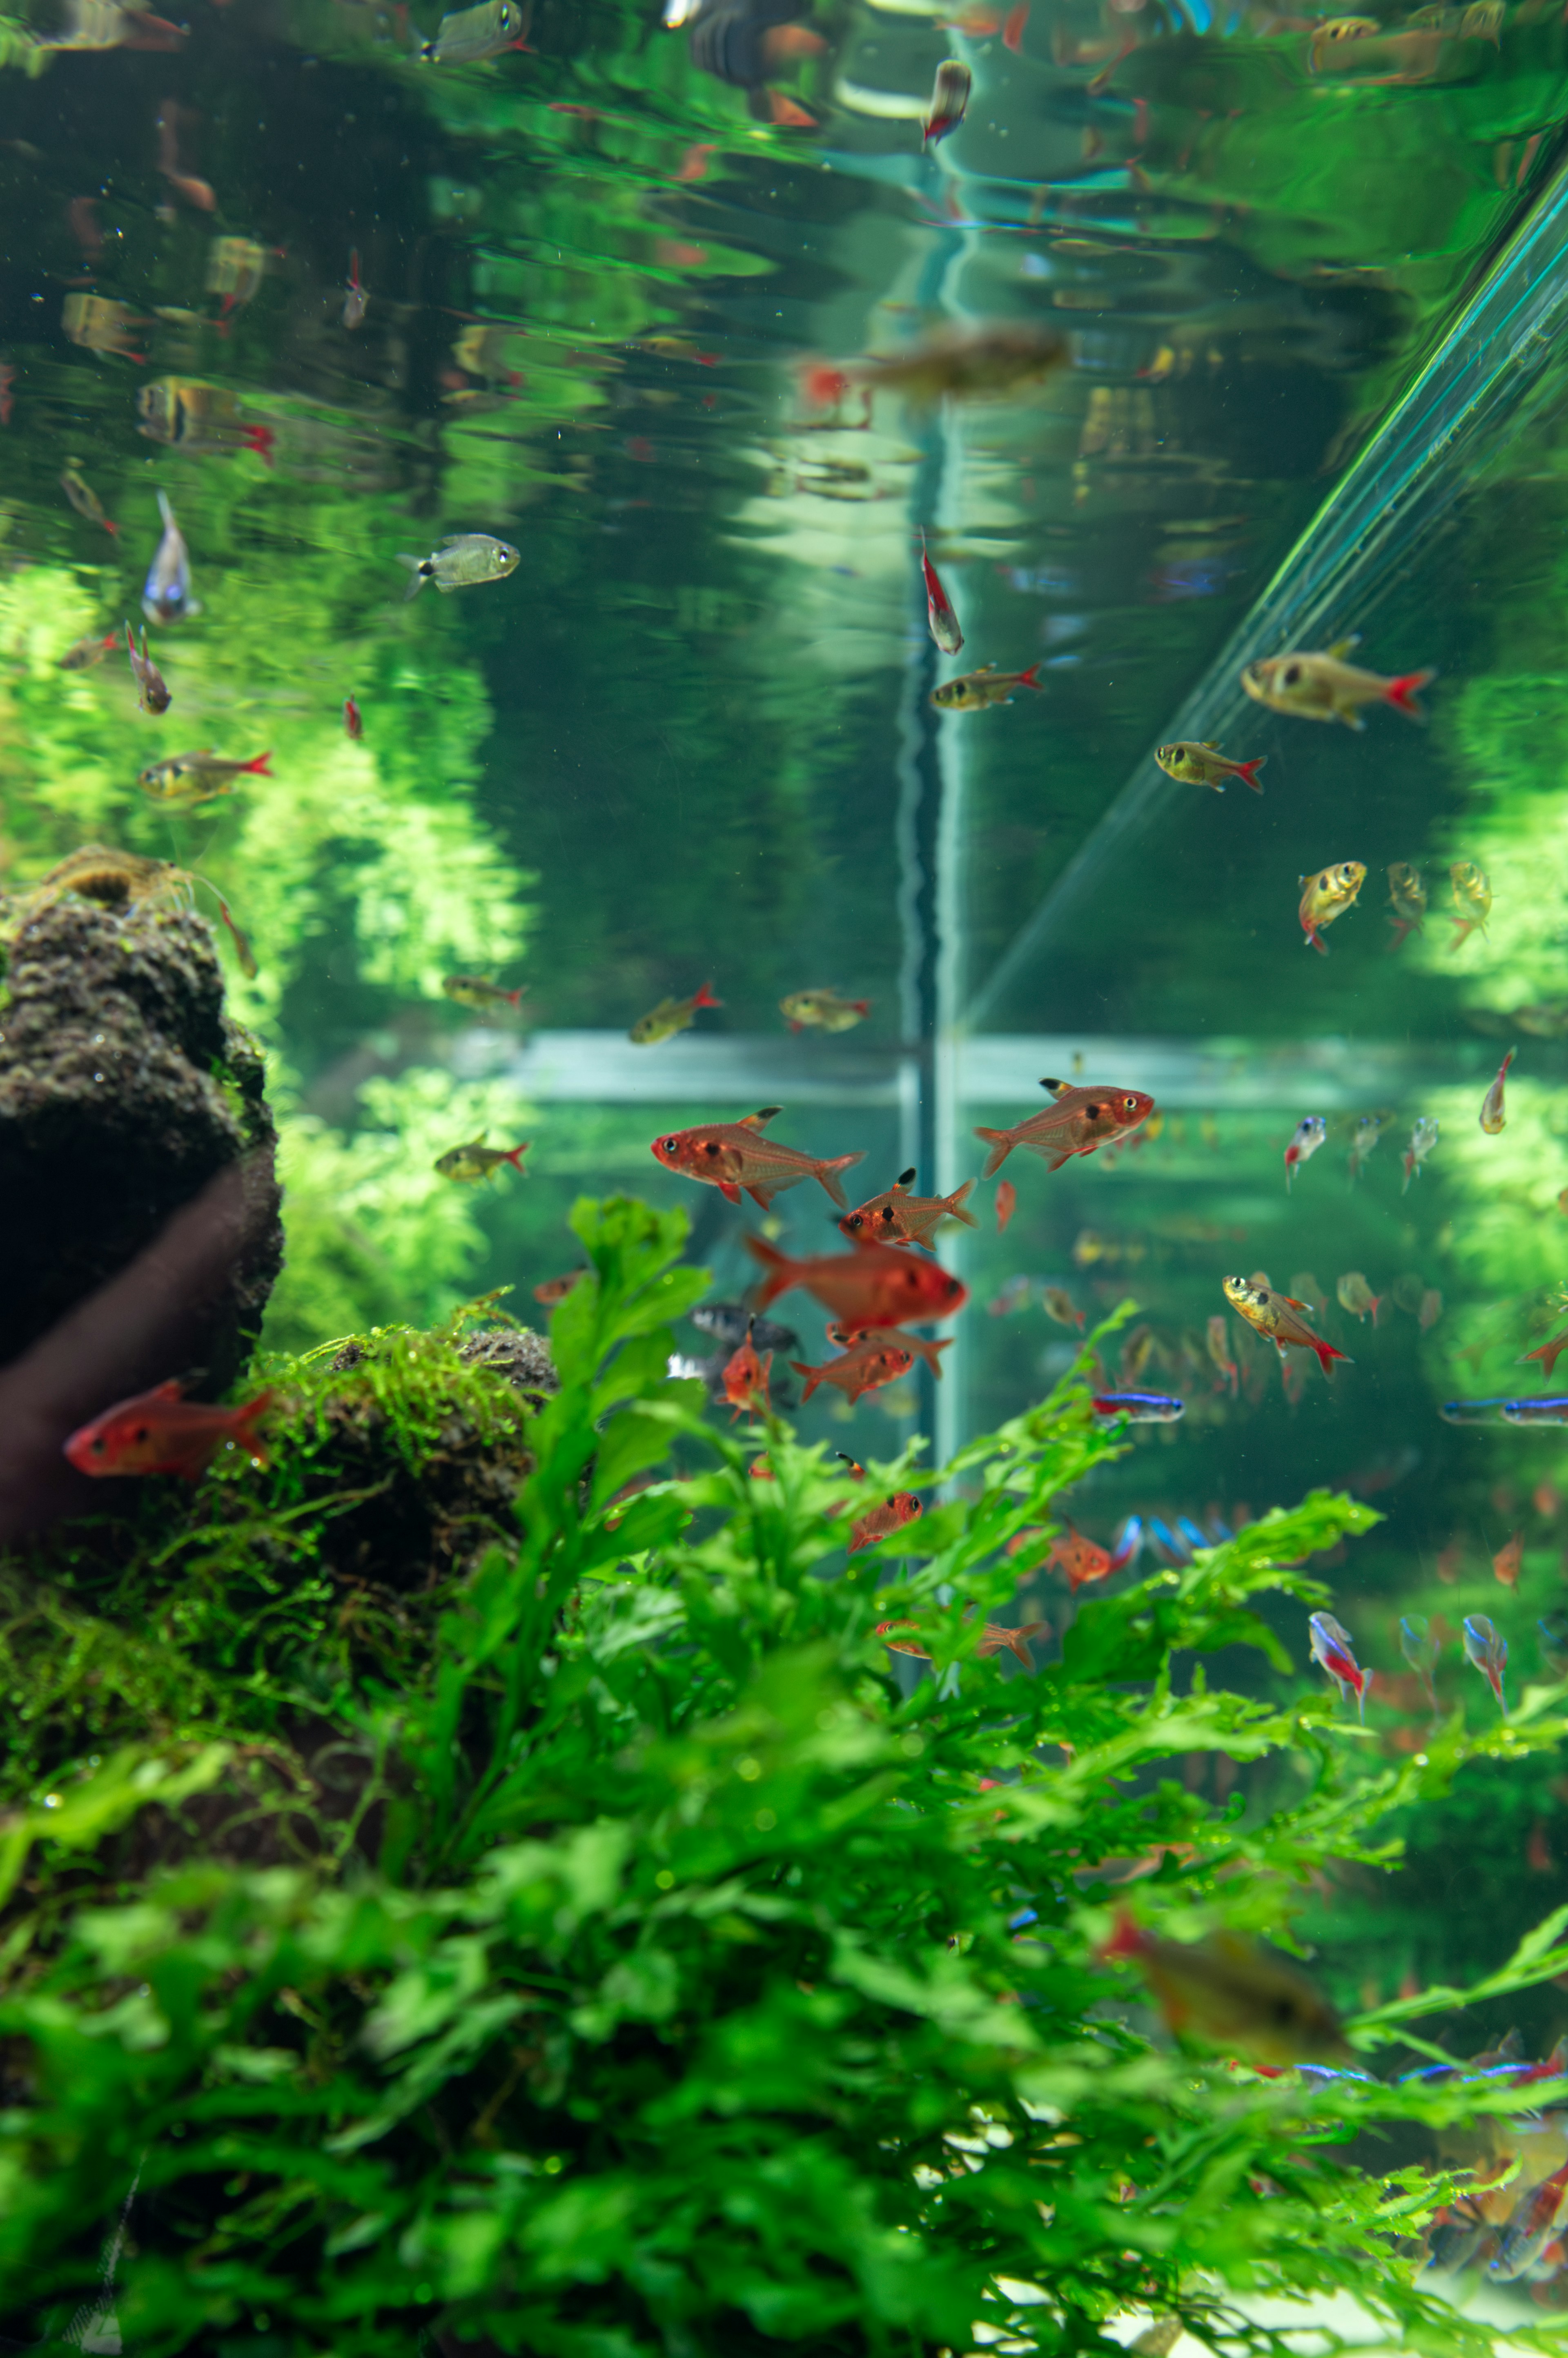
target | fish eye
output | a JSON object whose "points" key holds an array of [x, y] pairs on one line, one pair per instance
{"points": [[1291, 675], [669, 1144], [1130, 1104]]}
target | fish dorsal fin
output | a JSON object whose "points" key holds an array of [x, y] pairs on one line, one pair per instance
{"points": [[755, 1120], [174, 1390], [906, 1178], [1210, 744], [1057, 1088], [1296, 1304], [1346, 646]]}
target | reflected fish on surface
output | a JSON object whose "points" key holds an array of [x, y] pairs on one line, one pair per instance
{"points": [[166, 594], [99, 324], [84, 499], [1078, 1121], [192, 416], [875, 1286], [974, 363], [1554, 1628], [949, 103], [897, 1217], [1356, 1296], [470, 34], [356, 301], [1477, 1411], [1507, 1560], [1278, 1317], [995, 1637], [1230, 1994], [1216, 1342], [1424, 1138], [159, 1432], [152, 690], [823, 1010], [871, 1360], [1333, 1650], [1420, 1648], [974, 690], [1472, 899], [475, 1160], [1543, 1410], [1205, 765], [1429, 1310], [1057, 1303], [86, 652], [1494, 1116], [187, 779], [732, 1155], [1407, 898], [1305, 1139], [461, 562], [1141, 1408], [1326, 687], [1488, 1653], [670, 1016], [941, 618], [1326, 897], [478, 990], [1367, 1133]]}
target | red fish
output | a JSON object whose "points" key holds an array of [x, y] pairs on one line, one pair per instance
{"points": [[916, 1346], [353, 721], [898, 1217], [1006, 1203], [746, 1380], [1506, 1562], [903, 1508], [1548, 1352], [1013, 32], [876, 1286], [939, 611], [994, 1639], [1081, 1120], [732, 1155], [1080, 1559], [160, 1433], [870, 1362]]}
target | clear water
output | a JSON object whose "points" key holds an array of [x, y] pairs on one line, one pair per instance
{"points": [[1311, 291]]}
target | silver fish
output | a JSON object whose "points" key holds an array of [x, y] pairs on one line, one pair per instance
{"points": [[460, 562]]}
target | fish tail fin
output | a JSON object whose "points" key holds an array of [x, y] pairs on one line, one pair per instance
{"points": [[705, 997], [258, 768], [1248, 772], [1314, 941], [1127, 1941], [1402, 693], [1002, 1143], [1326, 1353], [514, 1154], [1365, 1681], [956, 1202], [1031, 678], [513, 998], [813, 1375], [1378, 1301], [780, 1270], [164, 511], [828, 1173], [261, 440], [1017, 1642], [111, 527], [246, 1420], [417, 567]]}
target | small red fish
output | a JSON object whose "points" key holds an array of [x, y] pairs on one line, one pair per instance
{"points": [[746, 1380], [1548, 1352], [161, 1432], [1013, 32], [694, 163], [353, 721], [897, 1217], [944, 623], [1506, 1562], [1006, 1203], [1079, 1559], [994, 1639], [917, 1345], [870, 1362], [903, 1508], [732, 1155], [1079, 1120], [876, 1286], [8, 398], [355, 299]]}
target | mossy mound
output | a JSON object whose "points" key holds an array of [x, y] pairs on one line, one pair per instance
{"points": [[123, 1089]]}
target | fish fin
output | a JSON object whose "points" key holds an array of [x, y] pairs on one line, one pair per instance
{"points": [[1002, 1143], [1402, 693], [956, 1205], [258, 768], [516, 997], [906, 1178], [172, 1391], [813, 1375], [1060, 1160], [1057, 1088], [1013, 32], [1248, 771], [796, 1027], [763, 1193], [417, 567], [756, 1120], [1017, 1642], [828, 1173], [250, 1415], [261, 440], [861, 1006], [781, 1271], [512, 1153], [167, 513], [1342, 647], [728, 1189], [1030, 680], [705, 997]]}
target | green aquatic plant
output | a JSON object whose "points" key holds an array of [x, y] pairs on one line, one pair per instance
{"points": [[653, 1968]]}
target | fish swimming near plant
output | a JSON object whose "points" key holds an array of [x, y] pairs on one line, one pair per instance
{"points": [[1305, 1139], [353, 719], [1079, 1120], [1233, 1994], [1278, 1318], [1325, 897], [556, 1289], [474, 1160], [1506, 1561], [1407, 898], [166, 594], [823, 1010], [894, 1513], [187, 779], [732, 1155], [875, 1286], [84, 499], [1058, 1304], [1421, 1650], [1488, 1653], [897, 1217], [1472, 898], [1083, 1561], [1356, 1296], [478, 990], [949, 103], [1424, 1138], [1534, 2221], [941, 620], [745, 1380], [160, 1432], [188, 416], [1494, 1114], [461, 562], [1141, 1408], [1542, 1410], [1327, 687], [470, 35], [729, 1322], [1332, 1649], [84, 653], [995, 1638], [670, 1016], [152, 690], [874, 1359], [1205, 765], [973, 691]]}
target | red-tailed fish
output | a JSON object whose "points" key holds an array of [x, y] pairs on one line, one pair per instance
{"points": [[1326, 897], [1232, 1995], [1277, 1317], [353, 719], [949, 103], [876, 1285], [732, 1155], [1006, 1203], [1494, 1116], [670, 1016], [1080, 1119], [1331, 1647], [939, 611], [162, 1433], [746, 1380], [1326, 687]]}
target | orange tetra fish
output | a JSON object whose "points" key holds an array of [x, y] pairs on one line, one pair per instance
{"points": [[897, 1217], [994, 1639], [1081, 1120], [732, 1155], [162, 1433], [1277, 1317]]}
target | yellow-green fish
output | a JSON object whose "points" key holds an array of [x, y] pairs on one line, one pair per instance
{"points": [[475, 1160], [1407, 898], [823, 1010], [1326, 687], [191, 778], [1472, 892], [1206, 765], [1326, 897], [472, 34], [478, 990], [670, 1016], [975, 689]]}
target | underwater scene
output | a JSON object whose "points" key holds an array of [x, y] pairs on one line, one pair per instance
{"points": [[783, 1154]]}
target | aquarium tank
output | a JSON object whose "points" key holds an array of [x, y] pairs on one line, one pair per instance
{"points": [[783, 1178]]}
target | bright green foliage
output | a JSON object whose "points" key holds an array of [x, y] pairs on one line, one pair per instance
{"points": [[658, 1987]]}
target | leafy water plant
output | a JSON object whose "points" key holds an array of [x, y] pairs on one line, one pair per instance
{"points": [[666, 1977]]}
